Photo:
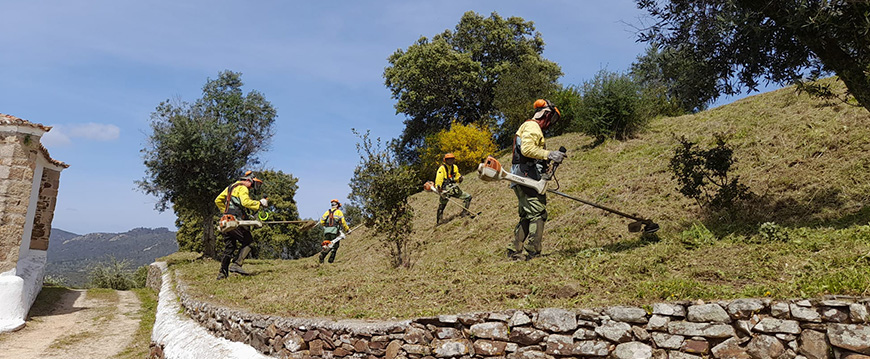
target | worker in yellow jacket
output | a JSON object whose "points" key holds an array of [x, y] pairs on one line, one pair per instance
{"points": [[447, 181], [530, 159], [234, 200], [333, 222]]}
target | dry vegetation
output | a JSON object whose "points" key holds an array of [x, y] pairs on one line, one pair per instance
{"points": [[806, 161]]}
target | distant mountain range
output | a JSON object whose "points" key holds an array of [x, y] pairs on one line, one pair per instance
{"points": [[71, 255]]}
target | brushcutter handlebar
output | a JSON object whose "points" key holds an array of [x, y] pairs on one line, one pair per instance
{"points": [[549, 175]]}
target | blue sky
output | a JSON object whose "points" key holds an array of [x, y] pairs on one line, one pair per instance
{"points": [[95, 70]]}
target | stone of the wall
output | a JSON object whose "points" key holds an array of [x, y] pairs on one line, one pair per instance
{"points": [[748, 329], [45, 209], [154, 280], [18, 161]]}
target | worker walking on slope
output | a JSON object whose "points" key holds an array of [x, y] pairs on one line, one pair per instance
{"points": [[447, 181], [332, 222], [233, 201], [530, 159]]}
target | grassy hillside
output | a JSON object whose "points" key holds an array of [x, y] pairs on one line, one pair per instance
{"points": [[807, 161]]}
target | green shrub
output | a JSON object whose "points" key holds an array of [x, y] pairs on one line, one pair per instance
{"points": [[469, 143], [697, 236], [569, 101], [380, 187], [53, 281], [113, 274], [611, 106], [772, 232], [140, 276], [705, 174]]}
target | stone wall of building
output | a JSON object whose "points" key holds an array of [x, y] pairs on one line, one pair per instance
{"points": [[17, 163], [45, 209], [742, 328]]}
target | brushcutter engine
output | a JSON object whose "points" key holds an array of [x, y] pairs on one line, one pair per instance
{"points": [[491, 170]]}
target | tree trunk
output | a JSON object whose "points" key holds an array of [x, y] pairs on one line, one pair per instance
{"points": [[208, 237], [853, 71]]}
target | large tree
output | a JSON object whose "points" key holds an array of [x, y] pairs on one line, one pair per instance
{"points": [[196, 150], [743, 41], [454, 76]]}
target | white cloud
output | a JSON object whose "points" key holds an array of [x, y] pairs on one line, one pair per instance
{"points": [[62, 135], [55, 138], [94, 131]]}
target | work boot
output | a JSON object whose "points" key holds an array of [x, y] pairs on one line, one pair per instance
{"points": [[322, 256], [536, 237], [243, 253], [521, 231], [221, 275], [235, 268]]}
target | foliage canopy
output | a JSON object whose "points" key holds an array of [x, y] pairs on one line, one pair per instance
{"points": [[735, 42], [455, 75], [196, 150]]}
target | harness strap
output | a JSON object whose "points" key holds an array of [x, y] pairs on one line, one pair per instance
{"points": [[450, 173], [331, 218], [230, 196]]}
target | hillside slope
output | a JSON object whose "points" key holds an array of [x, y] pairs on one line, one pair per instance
{"points": [[70, 256], [807, 162]]}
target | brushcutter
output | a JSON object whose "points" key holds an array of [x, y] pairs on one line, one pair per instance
{"points": [[491, 170], [229, 222], [429, 186], [329, 244]]}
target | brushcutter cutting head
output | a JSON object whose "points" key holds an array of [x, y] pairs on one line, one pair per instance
{"points": [[650, 227], [646, 226]]}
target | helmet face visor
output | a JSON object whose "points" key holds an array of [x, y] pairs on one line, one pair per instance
{"points": [[555, 116]]}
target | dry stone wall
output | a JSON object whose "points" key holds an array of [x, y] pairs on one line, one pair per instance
{"points": [[835, 327], [17, 163]]}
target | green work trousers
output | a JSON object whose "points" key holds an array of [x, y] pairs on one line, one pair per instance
{"points": [[532, 208], [330, 251], [453, 190]]}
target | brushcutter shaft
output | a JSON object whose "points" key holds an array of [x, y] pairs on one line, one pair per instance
{"points": [[596, 205]]}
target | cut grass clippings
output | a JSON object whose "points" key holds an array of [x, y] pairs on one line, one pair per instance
{"points": [[805, 160]]}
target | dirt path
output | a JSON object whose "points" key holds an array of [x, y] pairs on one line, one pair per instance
{"points": [[79, 325]]}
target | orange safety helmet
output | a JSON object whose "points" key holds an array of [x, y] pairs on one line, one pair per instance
{"points": [[336, 202], [542, 108], [249, 176], [449, 155]]}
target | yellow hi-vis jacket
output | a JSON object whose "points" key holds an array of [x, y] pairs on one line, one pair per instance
{"points": [[531, 140], [331, 224], [442, 175], [240, 195]]}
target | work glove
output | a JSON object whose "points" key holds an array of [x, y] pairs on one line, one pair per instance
{"points": [[264, 202], [556, 156], [460, 179]]}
